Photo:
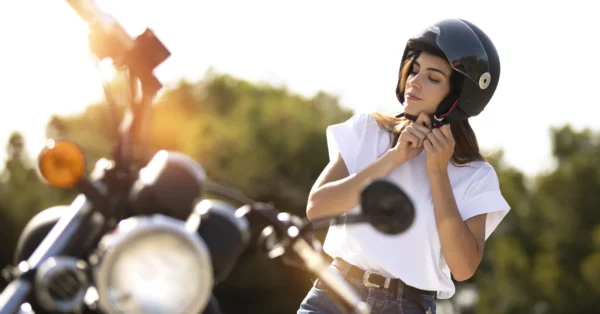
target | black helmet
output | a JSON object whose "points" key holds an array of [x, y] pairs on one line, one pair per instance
{"points": [[471, 54]]}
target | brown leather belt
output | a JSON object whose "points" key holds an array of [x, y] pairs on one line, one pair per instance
{"points": [[373, 280]]}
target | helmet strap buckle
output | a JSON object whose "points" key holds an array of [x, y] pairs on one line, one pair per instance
{"points": [[438, 122]]}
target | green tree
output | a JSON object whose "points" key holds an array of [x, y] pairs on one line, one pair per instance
{"points": [[548, 259]]}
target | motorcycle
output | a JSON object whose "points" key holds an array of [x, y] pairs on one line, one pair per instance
{"points": [[142, 237]]}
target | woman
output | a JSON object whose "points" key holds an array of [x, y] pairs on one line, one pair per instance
{"points": [[447, 74]]}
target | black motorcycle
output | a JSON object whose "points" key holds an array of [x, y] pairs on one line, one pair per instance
{"points": [[143, 238]]}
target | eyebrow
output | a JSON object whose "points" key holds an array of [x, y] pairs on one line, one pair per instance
{"points": [[432, 69]]}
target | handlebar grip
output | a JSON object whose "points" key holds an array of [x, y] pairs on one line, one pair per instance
{"points": [[319, 265]]}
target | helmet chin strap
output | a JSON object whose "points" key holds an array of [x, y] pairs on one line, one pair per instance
{"points": [[444, 109], [412, 118], [440, 117], [409, 117]]}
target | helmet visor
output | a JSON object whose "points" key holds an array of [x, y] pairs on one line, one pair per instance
{"points": [[464, 50]]}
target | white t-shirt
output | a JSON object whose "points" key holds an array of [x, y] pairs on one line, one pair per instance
{"points": [[414, 256]]}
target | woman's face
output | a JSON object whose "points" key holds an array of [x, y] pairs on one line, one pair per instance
{"points": [[427, 85]]}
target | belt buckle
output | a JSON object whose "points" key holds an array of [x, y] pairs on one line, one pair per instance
{"points": [[369, 284]]}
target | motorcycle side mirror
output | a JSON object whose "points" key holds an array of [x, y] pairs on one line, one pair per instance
{"points": [[387, 207], [384, 205]]}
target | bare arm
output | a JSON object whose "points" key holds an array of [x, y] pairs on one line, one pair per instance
{"points": [[462, 241], [336, 192]]}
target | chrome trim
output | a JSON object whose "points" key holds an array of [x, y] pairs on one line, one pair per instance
{"points": [[45, 280], [129, 231], [154, 168], [484, 80], [65, 228]]}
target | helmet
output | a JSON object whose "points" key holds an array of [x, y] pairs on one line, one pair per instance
{"points": [[474, 59]]}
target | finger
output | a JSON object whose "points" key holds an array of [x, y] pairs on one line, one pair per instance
{"points": [[421, 128], [409, 138], [423, 119], [418, 130], [418, 133], [435, 142], [447, 131], [428, 146], [440, 136]]}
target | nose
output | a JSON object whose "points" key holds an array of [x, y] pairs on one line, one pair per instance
{"points": [[415, 81]]}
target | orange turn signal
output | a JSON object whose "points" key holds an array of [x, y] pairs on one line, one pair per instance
{"points": [[61, 163]]}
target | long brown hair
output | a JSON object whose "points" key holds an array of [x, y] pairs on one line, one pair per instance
{"points": [[466, 148]]}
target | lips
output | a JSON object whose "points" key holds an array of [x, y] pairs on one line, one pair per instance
{"points": [[412, 96]]}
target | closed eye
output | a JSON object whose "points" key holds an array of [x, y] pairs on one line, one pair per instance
{"points": [[430, 69], [431, 78]]}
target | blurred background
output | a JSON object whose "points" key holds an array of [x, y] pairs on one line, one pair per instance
{"points": [[252, 85]]}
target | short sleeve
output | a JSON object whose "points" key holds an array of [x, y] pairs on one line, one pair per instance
{"points": [[484, 196], [344, 138]]}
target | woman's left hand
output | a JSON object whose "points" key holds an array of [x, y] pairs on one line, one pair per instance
{"points": [[439, 147]]}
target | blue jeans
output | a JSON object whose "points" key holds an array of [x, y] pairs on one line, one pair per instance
{"points": [[381, 301]]}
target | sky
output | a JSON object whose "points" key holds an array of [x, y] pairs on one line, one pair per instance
{"points": [[351, 49]]}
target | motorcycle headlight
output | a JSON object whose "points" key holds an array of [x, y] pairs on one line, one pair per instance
{"points": [[153, 265]]}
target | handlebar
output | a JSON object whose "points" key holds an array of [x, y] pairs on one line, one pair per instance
{"points": [[319, 266], [384, 205], [291, 235], [81, 209]]}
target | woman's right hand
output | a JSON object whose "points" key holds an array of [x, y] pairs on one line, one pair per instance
{"points": [[336, 191], [410, 141]]}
